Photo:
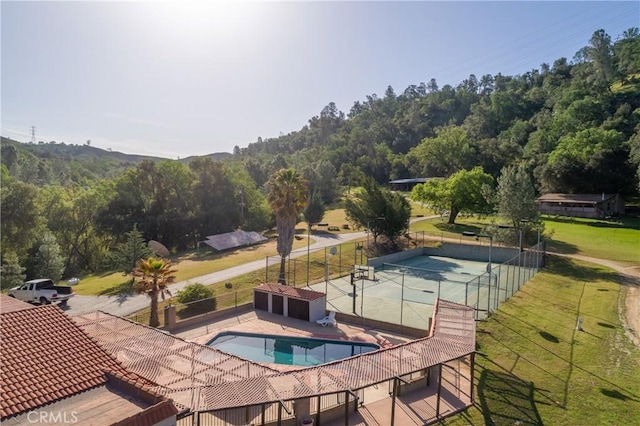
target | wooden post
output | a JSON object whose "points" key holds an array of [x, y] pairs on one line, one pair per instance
{"points": [[393, 400], [473, 367], [439, 389], [346, 408]]}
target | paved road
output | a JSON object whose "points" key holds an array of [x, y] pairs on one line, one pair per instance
{"points": [[124, 305]]}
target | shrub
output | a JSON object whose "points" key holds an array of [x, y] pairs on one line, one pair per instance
{"points": [[197, 299]]}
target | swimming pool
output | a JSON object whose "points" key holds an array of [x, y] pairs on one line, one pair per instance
{"points": [[288, 350]]}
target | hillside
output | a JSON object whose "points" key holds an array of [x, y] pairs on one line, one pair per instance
{"points": [[573, 126], [63, 164]]}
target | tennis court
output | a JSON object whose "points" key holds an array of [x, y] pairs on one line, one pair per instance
{"points": [[405, 292]]}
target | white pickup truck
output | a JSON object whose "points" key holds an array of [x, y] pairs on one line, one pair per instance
{"points": [[42, 291]]}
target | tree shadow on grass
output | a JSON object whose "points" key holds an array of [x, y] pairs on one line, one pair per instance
{"points": [[507, 399], [579, 271], [549, 337], [602, 223], [612, 393], [561, 247], [123, 289], [457, 228]]}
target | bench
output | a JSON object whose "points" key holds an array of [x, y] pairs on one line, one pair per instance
{"points": [[333, 228]]}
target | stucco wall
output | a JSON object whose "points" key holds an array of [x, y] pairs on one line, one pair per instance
{"points": [[204, 318], [395, 257], [474, 252]]}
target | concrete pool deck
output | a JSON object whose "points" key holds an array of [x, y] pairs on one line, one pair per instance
{"points": [[268, 323]]}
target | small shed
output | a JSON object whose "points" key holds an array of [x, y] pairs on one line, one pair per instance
{"points": [[597, 206], [233, 239], [307, 305], [406, 184]]}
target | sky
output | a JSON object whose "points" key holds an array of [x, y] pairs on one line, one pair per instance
{"points": [[184, 78]]}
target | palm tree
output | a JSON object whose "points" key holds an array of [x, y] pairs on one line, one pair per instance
{"points": [[153, 277], [288, 192]]}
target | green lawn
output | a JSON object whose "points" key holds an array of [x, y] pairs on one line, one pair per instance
{"points": [[600, 239], [617, 241], [188, 265], [533, 366], [194, 264], [438, 227], [242, 286], [595, 238]]}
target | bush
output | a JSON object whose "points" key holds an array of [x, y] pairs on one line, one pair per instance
{"points": [[193, 293], [197, 298]]}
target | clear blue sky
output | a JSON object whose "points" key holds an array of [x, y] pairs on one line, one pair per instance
{"points": [[193, 78]]}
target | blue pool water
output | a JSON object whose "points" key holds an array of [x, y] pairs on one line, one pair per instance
{"points": [[287, 350]]}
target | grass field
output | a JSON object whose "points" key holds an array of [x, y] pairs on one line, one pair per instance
{"points": [[618, 241], [533, 366], [188, 265], [194, 264], [242, 286], [600, 239]]}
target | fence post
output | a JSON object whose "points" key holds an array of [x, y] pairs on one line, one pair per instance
{"points": [[401, 300], [498, 284], [489, 293], [466, 293], [478, 301], [519, 269], [295, 264]]}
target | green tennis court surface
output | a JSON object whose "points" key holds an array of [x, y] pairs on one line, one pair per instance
{"points": [[405, 292]]}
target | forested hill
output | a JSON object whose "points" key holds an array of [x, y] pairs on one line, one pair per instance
{"points": [[574, 123], [64, 164], [572, 126]]}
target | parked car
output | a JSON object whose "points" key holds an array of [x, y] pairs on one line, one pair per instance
{"points": [[42, 291]]}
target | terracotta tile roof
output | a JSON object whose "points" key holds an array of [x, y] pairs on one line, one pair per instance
{"points": [[46, 357], [298, 293], [11, 304], [151, 416], [168, 361], [206, 379]]}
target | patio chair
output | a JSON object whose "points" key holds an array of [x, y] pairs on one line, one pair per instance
{"points": [[329, 319]]}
